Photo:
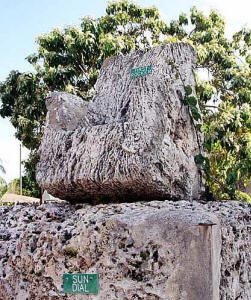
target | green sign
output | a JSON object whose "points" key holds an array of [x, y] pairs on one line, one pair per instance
{"points": [[79, 283], [141, 71]]}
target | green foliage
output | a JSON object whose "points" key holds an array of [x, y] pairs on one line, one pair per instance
{"points": [[228, 141], [243, 197], [23, 98], [14, 187], [3, 187], [29, 185], [70, 60], [224, 101]]}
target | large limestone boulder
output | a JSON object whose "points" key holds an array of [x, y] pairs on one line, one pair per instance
{"points": [[134, 141]]}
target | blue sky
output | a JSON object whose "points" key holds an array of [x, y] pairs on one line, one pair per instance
{"points": [[21, 21]]}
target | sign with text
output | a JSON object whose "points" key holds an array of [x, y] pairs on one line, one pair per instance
{"points": [[141, 71], [80, 283]]}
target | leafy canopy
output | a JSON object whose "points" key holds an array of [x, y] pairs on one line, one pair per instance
{"points": [[70, 60]]}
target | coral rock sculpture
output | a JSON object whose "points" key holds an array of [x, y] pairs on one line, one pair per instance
{"points": [[134, 141]]}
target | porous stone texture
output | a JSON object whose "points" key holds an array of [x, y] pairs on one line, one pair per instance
{"points": [[135, 140], [146, 250]]}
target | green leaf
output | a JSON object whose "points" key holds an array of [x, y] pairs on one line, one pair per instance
{"points": [[207, 144], [195, 113], [188, 90], [192, 101], [199, 159], [183, 19], [206, 166], [198, 127]]}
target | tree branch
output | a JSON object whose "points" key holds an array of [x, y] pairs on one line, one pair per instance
{"points": [[213, 106]]}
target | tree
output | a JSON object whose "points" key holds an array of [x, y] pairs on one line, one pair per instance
{"points": [[3, 187], [14, 187], [28, 187], [70, 60]]}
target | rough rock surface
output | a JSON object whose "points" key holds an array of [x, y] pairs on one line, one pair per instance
{"points": [[134, 140], [145, 250]]}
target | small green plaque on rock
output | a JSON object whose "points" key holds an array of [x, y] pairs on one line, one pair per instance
{"points": [[141, 71], [80, 283]]}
